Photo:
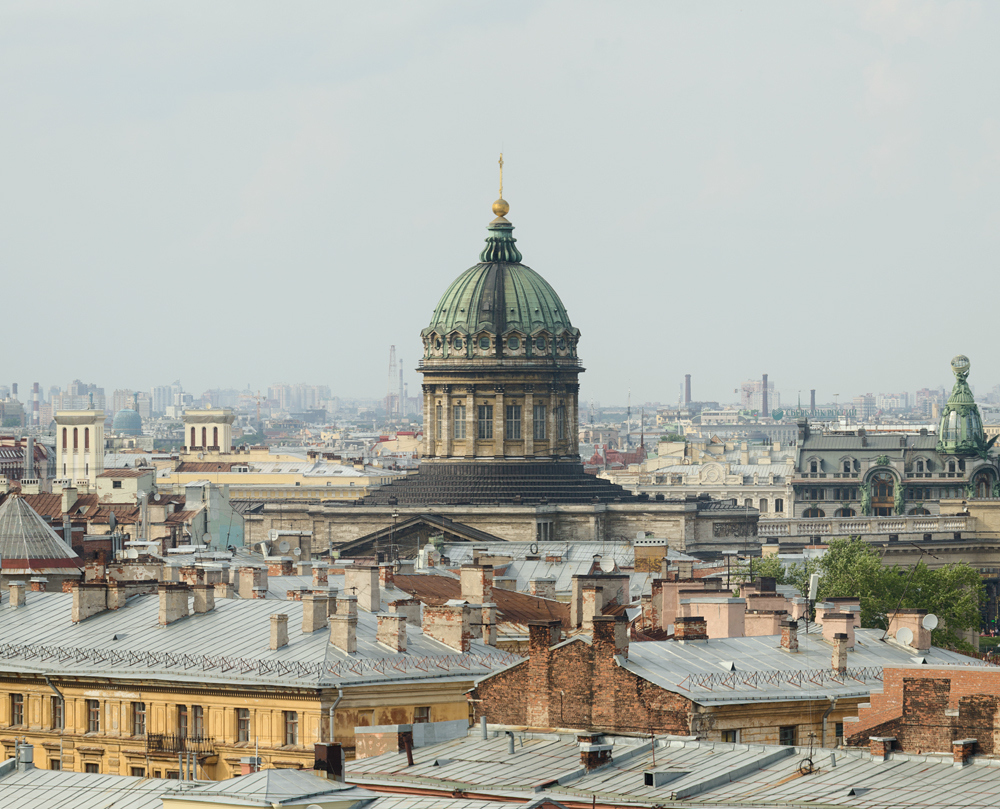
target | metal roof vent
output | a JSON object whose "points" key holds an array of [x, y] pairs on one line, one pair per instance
{"points": [[655, 779], [727, 665]]}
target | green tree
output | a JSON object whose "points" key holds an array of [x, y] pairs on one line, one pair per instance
{"points": [[794, 574], [955, 593]]}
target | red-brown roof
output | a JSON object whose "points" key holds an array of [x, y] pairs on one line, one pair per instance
{"points": [[126, 473], [201, 467], [180, 516], [515, 607]]}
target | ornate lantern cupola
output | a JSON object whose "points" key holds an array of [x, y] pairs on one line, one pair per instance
{"points": [[961, 431]]}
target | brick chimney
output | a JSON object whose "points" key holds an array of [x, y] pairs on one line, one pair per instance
{"points": [[410, 607], [320, 574], [449, 624], [173, 602], [611, 635], [89, 598], [362, 581], [840, 652], [790, 636], [542, 635], [593, 605], [314, 612], [204, 598], [594, 752], [344, 632], [690, 628], [839, 623], [39, 584], [962, 751], [17, 595], [881, 746], [543, 587], [386, 576], [249, 765], [279, 631], [912, 620], [280, 566], [477, 584], [490, 624], [392, 631], [685, 569], [347, 605]]}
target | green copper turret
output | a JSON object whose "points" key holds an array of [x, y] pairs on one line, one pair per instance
{"points": [[961, 431]]}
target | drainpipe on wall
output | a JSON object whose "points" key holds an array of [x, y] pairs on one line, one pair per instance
{"points": [[833, 704], [336, 702]]}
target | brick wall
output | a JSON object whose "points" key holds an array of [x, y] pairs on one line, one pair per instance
{"points": [[926, 710]]}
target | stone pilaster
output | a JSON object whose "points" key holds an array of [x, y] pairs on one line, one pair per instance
{"points": [[428, 422], [528, 428], [446, 420], [470, 422], [553, 431]]}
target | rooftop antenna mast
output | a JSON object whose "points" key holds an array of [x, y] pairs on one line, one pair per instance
{"points": [[390, 397]]}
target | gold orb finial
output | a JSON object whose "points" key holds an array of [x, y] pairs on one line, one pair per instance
{"points": [[500, 207]]}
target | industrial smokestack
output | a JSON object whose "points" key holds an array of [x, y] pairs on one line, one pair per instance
{"points": [[812, 402], [29, 459], [763, 397], [687, 389], [35, 406]]}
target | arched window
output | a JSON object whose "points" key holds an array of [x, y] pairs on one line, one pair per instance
{"points": [[65, 431], [215, 436], [919, 512], [951, 466], [86, 438], [920, 465], [813, 512], [204, 437], [847, 467], [76, 438], [748, 503], [763, 505], [845, 512], [814, 466], [779, 504], [193, 445]]}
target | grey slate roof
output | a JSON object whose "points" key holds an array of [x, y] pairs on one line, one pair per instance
{"points": [[229, 644]]}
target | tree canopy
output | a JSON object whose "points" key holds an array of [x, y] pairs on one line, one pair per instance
{"points": [[955, 592]]}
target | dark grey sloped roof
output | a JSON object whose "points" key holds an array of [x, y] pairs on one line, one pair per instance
{"points": [[875, 443]]}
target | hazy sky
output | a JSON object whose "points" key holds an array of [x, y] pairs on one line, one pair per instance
{"points": [[234, 193]]}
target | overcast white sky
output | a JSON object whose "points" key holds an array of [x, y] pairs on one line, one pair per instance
{"points": [[245, 192]]}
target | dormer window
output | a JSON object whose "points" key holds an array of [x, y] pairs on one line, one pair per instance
{"points": [[847, 467], [814, 466], [920, 466], [484, 343], [457, 343], [951, 466], [513, 343]]}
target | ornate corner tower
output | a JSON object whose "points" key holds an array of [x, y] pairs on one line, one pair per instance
{"points": [[961, 431], [500, 363]]}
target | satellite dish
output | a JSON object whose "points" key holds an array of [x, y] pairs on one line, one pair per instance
{"points": [[201, 455], [156, 497], [297, 551], [133, 553], [112, 521], [283, 546], [930, 621], [905, 635], [207, 538]]}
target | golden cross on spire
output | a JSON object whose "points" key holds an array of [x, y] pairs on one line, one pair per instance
{"points": [[501, 175]]}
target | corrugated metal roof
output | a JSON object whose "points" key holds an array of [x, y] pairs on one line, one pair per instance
{"points": [[26, 537], [228, 644]]}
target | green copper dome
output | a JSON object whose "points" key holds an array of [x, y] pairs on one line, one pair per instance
{"points": [[500, 307], [961, 431], [127, 422]]}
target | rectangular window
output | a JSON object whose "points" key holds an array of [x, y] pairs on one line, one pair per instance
{"points": [[731, 736], [198, 720], [138, 718], [93, 716], [116, 484], [242, 724], [438, 411], [17, 709], [421, 714], [55, 764], [513, 431], [182, 721], [779, 505], [459, 415], [58, 713], [485, 422], [561, 423], [539, 422], [91, 766], [138, 772], [786, 735], [291, 727], [840, 732]]}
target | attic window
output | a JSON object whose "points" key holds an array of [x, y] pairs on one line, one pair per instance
{"points": [[116, 484]]}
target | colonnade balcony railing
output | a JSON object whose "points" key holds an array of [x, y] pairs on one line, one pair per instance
{"points": [[866, 526]]}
